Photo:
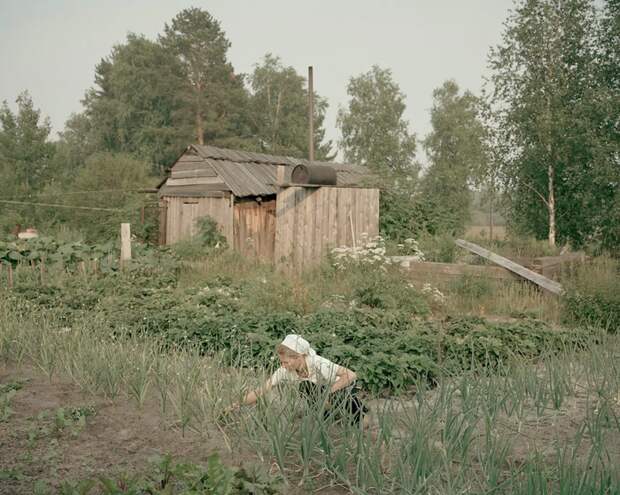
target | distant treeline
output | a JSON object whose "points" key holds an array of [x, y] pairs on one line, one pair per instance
{"points": [[541, 143]]}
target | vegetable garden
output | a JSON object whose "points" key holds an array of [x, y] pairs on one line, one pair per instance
{"points": [[182, 340]]}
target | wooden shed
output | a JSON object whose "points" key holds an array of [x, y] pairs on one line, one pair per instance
{"points": [[260, 212]]}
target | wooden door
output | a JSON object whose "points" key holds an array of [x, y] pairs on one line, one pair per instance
{"points": [[189, 215], [255, 229]]}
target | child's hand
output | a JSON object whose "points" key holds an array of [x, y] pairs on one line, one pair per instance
{"points": [[225, 417]]}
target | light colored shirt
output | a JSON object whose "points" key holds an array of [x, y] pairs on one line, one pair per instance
{"points": [[320, 371]]}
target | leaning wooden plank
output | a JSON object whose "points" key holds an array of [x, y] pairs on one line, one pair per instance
{"points": [[544, 282]]}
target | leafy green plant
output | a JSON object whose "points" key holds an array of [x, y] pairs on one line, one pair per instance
{"points": [[167, 477], [592, 295], [209, 233]]}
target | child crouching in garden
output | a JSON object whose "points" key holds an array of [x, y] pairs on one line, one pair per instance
{"points": [[316, 378]]}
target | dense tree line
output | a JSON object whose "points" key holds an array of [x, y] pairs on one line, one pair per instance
{"points": [[541, 142]]}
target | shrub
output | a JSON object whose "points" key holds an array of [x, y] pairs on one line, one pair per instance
{"points": [[438, 248], [209, 234], [592, 295]]}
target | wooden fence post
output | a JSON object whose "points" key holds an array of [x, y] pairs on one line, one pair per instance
{"points": [[10, 272], [125, 242]]}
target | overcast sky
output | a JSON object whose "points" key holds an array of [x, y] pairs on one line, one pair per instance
{"points": [[51, 47]]}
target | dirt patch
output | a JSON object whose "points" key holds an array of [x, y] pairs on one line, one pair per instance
{"points": [[35, 444]]}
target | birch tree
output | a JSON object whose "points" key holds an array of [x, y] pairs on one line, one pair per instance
{"points": [[541, 72]]}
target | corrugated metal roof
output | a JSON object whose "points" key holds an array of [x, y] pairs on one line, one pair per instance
{"points": [[246, 178], [254, 174]]}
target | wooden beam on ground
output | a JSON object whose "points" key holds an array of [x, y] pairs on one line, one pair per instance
{"points": [[426, 271], [544, 282]]}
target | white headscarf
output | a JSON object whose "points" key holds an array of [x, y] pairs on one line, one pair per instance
{"points": [[298, 344]]}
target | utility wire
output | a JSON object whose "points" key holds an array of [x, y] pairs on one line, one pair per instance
{"points": [[93, 192], [58, 206]]}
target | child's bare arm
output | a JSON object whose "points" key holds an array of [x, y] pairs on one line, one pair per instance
{"points": [[252, 396], [344, 378]]}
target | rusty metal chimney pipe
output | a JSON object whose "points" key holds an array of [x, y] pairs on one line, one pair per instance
{"points": [[310, 115]]}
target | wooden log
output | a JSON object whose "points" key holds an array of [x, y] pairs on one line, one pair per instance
{"points": [[125, 242], [540, 280]]}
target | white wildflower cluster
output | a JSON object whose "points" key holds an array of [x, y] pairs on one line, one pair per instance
{"points": [[220, 291], [410, 247], [371, 251], [435, 294], [334, 301]]}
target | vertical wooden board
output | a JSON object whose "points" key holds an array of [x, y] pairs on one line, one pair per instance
{"points": [[277, 251], [125, 242], [363, 213], [356, 205], [236, 221], [339, 232], [349, 216], [176, 210], [344, 207], [333, 217], [309, 218], [325, 221], [374, 226], [298, 248], [288, 228], [227, 205], [294, 228], [285, 221], [375, 217], [170, 221], [280, 248], [360, 210], [163, 218], [269, 231], [317, 246], [329, 214]]}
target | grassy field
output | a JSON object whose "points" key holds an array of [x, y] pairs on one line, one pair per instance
{"points": [[119, 382]]}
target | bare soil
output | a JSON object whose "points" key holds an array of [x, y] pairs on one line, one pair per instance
{"points": [[118, 438]]}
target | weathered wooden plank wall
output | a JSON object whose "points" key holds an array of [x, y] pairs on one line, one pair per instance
{"points": [[310, 221], [255, 229], [182, 213]]}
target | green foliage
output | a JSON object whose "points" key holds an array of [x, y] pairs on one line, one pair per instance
{"points": [[109, 181], [374, 132], [278, 111], [166, 477], [380, 333], [456, 154], [25, 152], [593, 295], [473, 287], [46, 249], [133, 108], [400, 212], [209, 234], [555, 105], [211, 97], [440, 248]]}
